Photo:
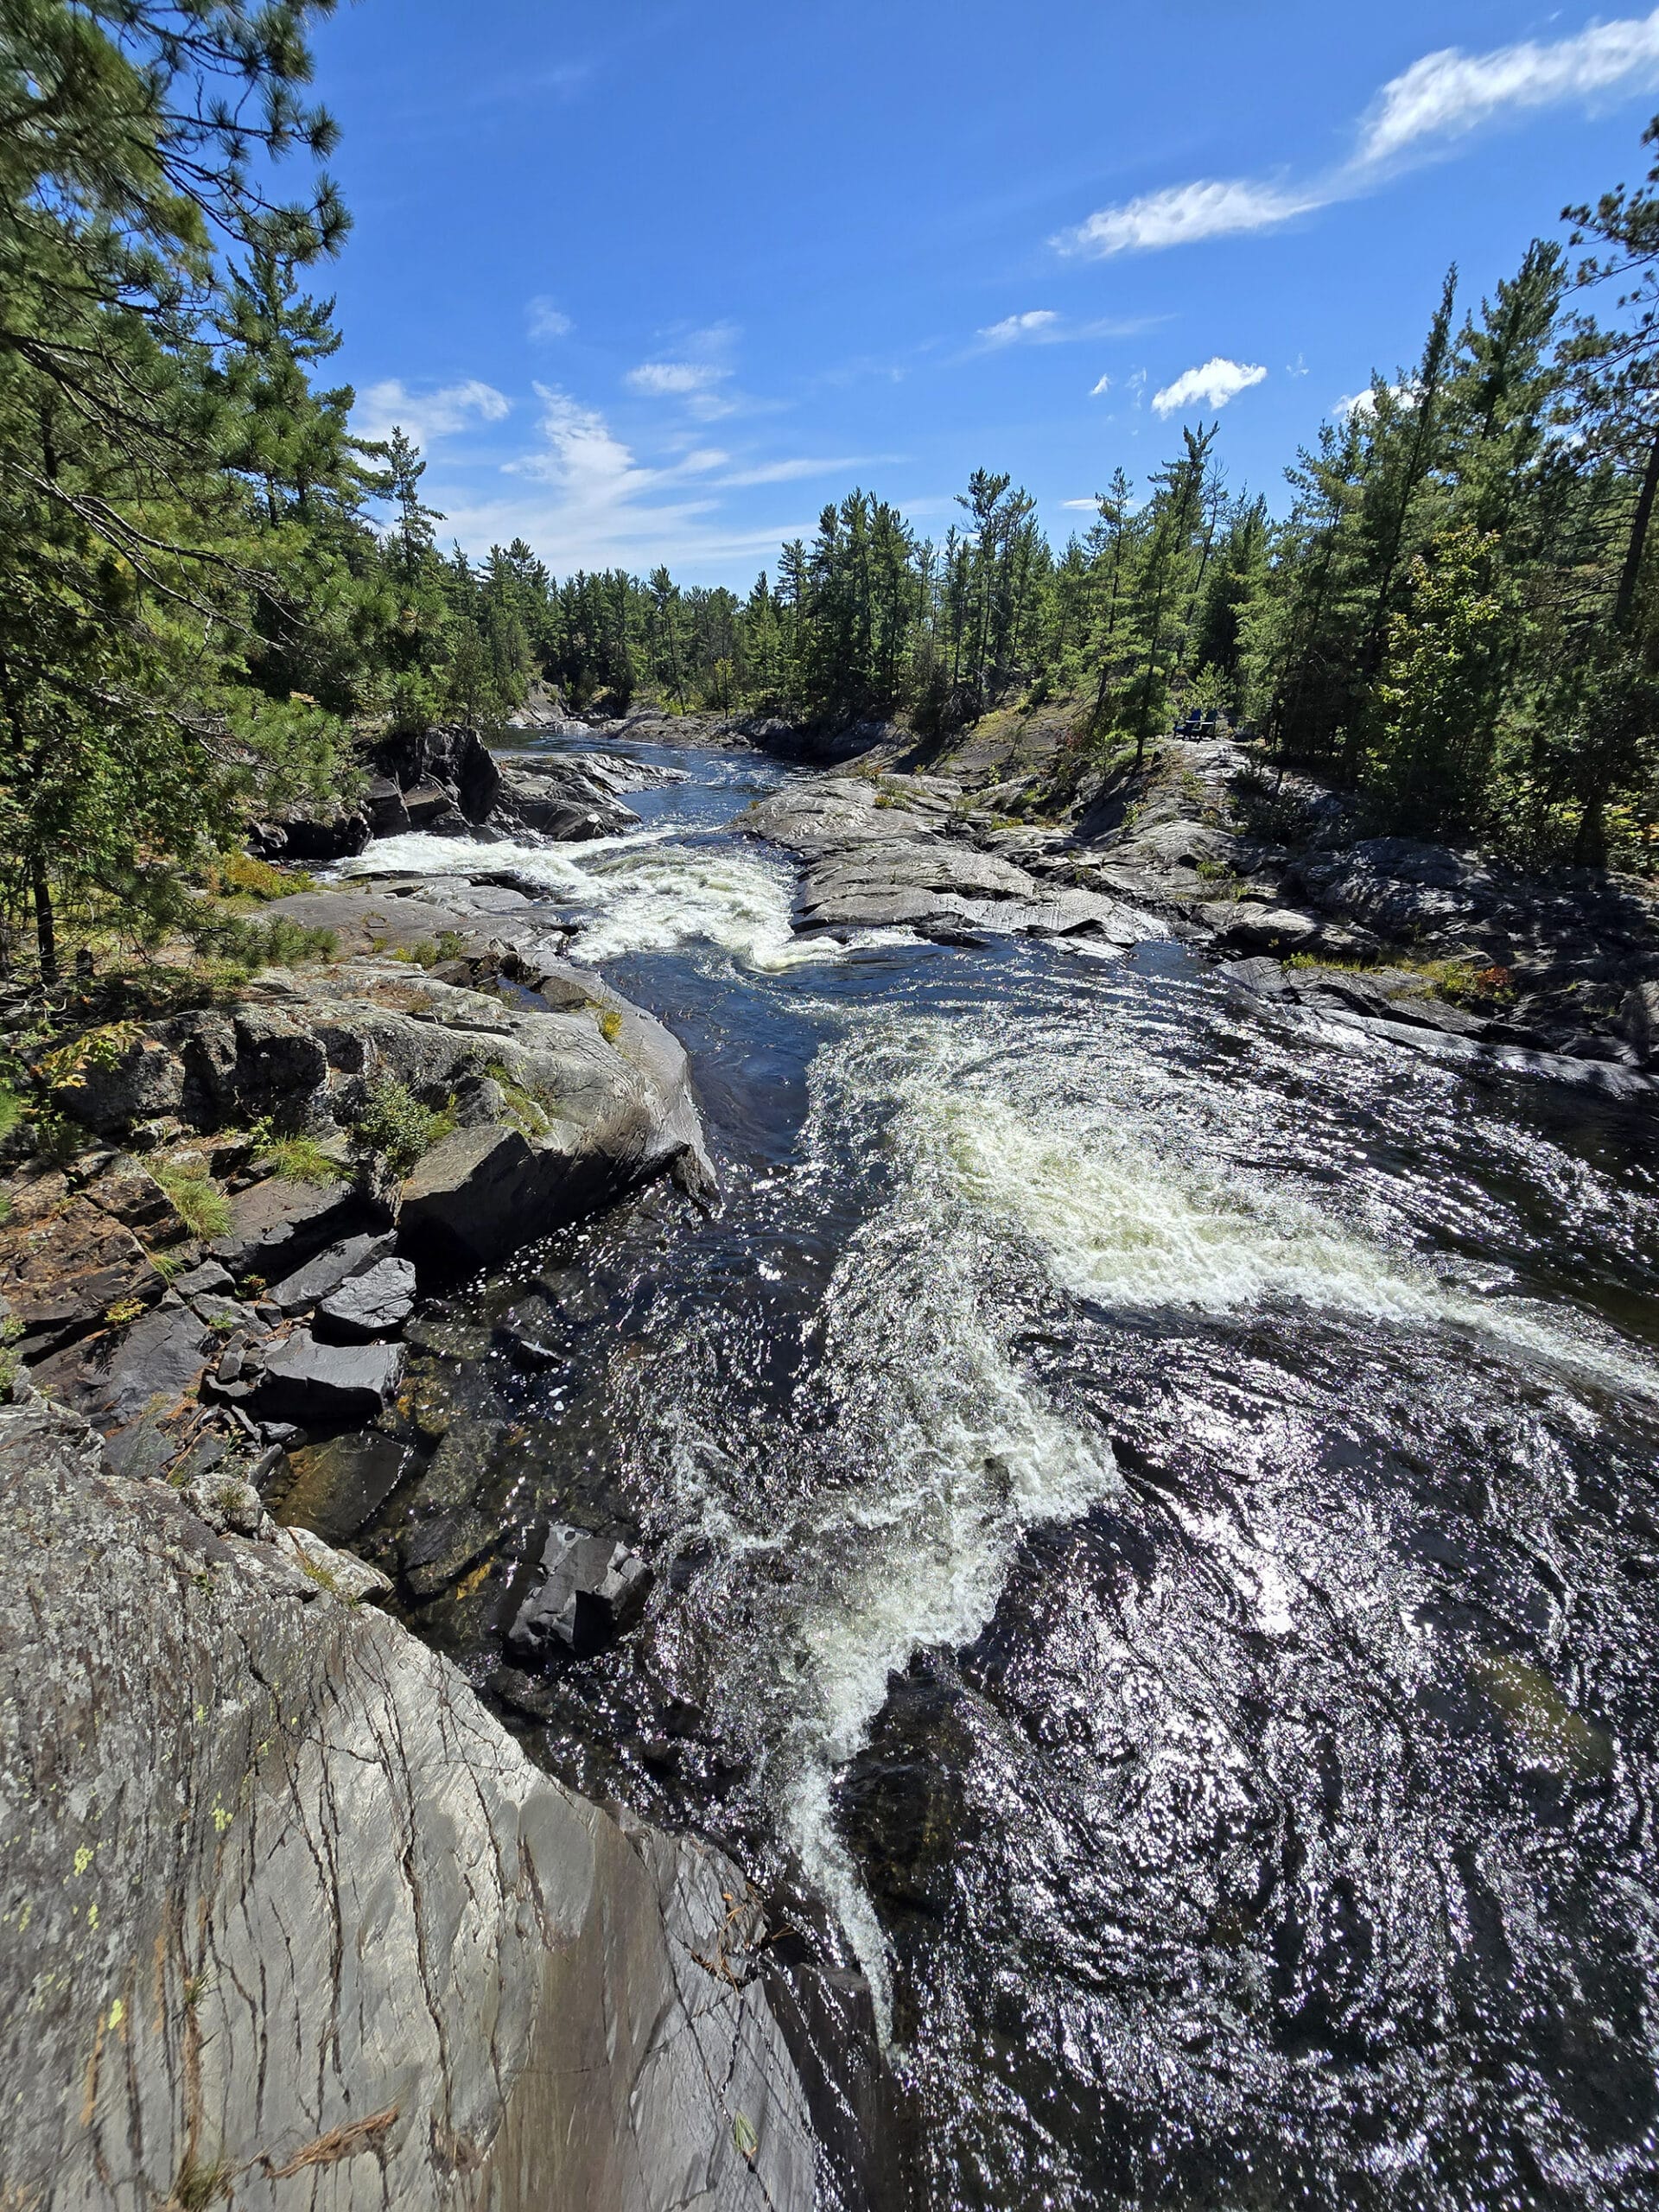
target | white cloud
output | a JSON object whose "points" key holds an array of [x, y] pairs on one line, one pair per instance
{"points": [[428, 415], [1447, 93], [584, 499], [792, 472], [1364, 402], [1438, 100], [1013, 327], [674, 379], [546, 320], [1098, 392], [1214, 385], [1080, 506], [1183, 214]]}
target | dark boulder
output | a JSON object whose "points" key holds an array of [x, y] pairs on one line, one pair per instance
{"points": [[277, 1225], [384, 804], [592, 1587], [326, 1386], [557, 797], [1249, 928], [375, 1303], [319, 1278], [156, 1363], [278, 1061]]}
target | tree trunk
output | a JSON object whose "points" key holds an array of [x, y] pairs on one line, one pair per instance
{"points": [[45, 929], [1631, 575]]}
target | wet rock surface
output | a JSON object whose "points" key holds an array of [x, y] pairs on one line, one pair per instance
{"points": [[589, 1589], [287, 1910], [876, 862]]}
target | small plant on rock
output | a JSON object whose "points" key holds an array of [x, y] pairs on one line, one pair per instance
{"points": [[57, 1138], [195, 1197], [293, 1159], [11, 1360], [396, 1128]]}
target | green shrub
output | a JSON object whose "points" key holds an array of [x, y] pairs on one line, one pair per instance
{"points": [[394, 1126], [239, 875], [11, 1112], [249, 946], [195, 1197], [56, 1137]]}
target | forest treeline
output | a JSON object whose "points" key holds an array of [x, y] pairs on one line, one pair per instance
{"points": [[1458, 616], [210, 589]]}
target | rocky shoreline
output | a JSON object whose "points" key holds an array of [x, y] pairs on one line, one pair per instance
{"points": [[1434, 950], [290, 1920], [286, 1906], [243, 1254]]}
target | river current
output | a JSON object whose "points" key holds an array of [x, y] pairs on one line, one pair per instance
{"points": [[1156, 1503]]}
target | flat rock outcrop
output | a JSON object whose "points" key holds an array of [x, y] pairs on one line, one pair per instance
{"points": [[290, 1921], [1395, 1008], [878, 861], [589, 1095]]}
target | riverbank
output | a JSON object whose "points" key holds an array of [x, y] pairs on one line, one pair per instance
{"points": [[285, 1900], [1101, 1400], [1551, 976]]}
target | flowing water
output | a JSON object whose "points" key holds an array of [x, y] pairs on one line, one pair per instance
{"points": [[1157, 1506]]}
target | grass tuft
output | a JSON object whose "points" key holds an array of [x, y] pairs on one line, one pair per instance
{"points": [[195, 1197], [294, 1159]]}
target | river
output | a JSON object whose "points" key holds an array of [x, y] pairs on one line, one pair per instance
{"points": [[1156, 1503]]}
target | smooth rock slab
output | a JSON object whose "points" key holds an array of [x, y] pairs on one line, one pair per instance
{"points": [[374, 1304], [326, 1386], [324, 1274], [290, 1921]]}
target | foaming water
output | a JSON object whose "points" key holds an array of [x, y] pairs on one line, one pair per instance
{"points": [[1157, 1520], [1121, 1219], [646, 892]]}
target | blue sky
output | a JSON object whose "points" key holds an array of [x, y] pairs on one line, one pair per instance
{"points": [[653, 280]]}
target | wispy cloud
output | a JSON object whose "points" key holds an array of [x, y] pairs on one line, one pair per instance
{"points": [[1448, 93], [1100, 390], [674, 379], [1212, 385], [793, 472], [1181, 215], [1427, 108], [1037, 323], [428, 415], [544, 320], [585, 499]]}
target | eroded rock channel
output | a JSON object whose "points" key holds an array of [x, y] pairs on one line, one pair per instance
{"points": [[1108, 1467]]}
